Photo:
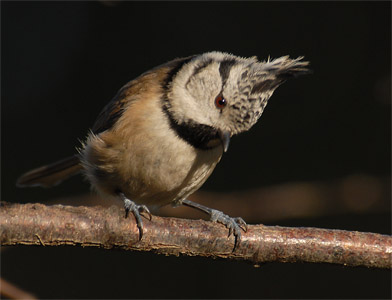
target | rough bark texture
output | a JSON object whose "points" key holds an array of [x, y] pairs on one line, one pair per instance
{"points": [[37, 224]]}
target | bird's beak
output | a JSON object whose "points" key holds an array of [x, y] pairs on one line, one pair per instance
{"points": [[225, 139]]}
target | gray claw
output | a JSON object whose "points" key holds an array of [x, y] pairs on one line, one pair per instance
{"points": [[230, 231], [136, 210], [233, 224], [240, 221], [144, 209]]}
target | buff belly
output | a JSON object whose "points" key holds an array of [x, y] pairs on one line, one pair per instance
{"points": [[156, 177]]}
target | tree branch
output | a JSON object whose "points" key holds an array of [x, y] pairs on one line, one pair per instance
{"points": [[37, 224]]}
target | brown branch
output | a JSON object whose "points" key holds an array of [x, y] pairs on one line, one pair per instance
{"points": [[37, 224]]}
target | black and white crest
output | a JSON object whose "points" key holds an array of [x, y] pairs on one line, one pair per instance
{"points": [[245, 84]]}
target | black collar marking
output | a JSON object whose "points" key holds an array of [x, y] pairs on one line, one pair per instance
{"points": [[195, 134]]}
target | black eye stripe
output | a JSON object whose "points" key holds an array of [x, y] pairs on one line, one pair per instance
{"points": [[202, 66], [199, 68], [224, 69]]}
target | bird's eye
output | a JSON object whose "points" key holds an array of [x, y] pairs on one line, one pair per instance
{"points": [[220, 102]]}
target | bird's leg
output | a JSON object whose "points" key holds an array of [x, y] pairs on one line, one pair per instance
{"points": [[136, 210], [233, 224]]}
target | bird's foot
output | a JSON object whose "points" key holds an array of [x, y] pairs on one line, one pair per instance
{"points": [[136, 210], [235, 225]]}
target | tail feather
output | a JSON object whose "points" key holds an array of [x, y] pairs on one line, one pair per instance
{"points": [[50, 175]]}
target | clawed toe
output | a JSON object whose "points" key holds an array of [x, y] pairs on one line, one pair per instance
{"points": [[144, 209], [136, 210], [235, 225], [241, 223]]}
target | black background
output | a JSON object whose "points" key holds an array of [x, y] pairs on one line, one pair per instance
{"points": [[62, 61]]}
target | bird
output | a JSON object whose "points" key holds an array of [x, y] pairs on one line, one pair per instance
{"points": [[161, 136]]}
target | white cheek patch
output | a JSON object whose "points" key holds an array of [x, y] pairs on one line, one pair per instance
{"points": [[201, 90], [204, 85], [193, 92]]}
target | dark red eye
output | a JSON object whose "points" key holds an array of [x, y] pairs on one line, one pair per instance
{"points": [[220, 102]]}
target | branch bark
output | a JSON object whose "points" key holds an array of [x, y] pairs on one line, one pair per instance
{"points": [[38, 224]]}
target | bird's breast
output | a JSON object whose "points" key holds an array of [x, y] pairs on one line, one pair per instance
{"points": [[144, 158]]}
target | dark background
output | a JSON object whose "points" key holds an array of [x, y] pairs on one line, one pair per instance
{"points": [[62, 61]]}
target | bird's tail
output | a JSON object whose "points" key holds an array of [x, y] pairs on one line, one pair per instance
{"points": [[50, 175]]}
